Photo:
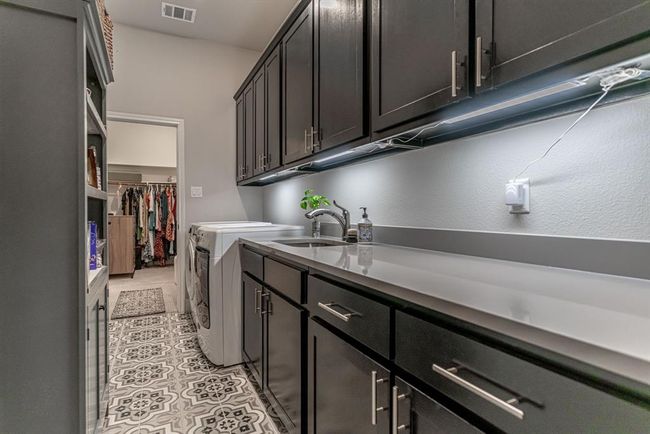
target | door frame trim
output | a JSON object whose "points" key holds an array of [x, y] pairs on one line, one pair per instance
{"points": [[179, 124]]}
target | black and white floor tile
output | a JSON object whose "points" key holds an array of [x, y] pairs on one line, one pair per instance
{"points": [[161, 383]]}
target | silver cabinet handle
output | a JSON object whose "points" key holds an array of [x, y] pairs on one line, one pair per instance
{"points": [[327, 307], [258, 300], [479, 58], [264, 295], [375, 409], [314, 133], [306, 147], [453, 74], [396, 397], [503, 405]]}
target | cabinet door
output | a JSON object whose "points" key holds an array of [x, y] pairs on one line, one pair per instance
{"points": [[92, 367], [285, 355], [102, 341], [419, 414], [252, 324], [259, 133], [241, 145], [273, 77], [419, 50], [339, 72], [343, 386], [524, 37], [297, 88], [249, 131]]}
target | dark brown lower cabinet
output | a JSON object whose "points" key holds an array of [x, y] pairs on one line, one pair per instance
{"points": [[252, 345], [416, 413], [285, 340], [348, 391]]}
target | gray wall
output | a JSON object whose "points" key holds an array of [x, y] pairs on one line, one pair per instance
{"points": [[163, 75], [593, 184]]}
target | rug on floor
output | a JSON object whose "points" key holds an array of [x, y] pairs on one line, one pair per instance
{"points": [[139, 302]]}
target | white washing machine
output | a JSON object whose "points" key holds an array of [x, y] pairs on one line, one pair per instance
{"points": [[190, 272], [215, 293]]}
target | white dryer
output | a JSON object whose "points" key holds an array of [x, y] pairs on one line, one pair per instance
{"points": [[215, 294]]}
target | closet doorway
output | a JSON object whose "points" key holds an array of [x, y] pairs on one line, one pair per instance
{"points": [[146, 214]]}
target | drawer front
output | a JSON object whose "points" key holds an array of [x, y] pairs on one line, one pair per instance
{"points": [[489, 381], [252, 262], [363, 319], [285, 279]]}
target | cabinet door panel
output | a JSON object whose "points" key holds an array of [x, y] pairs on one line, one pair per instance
{"points": [[241, 144], [249, 131], [252, 324], [259, 133], [102, 345], [535, 35], [284, 363], [92, 367], [412, 63], [273, 77], [297, 85], [340, 52], [423, 415], [341, 387]]}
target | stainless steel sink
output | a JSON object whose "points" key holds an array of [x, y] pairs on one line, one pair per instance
{"points": [[312, 242]]}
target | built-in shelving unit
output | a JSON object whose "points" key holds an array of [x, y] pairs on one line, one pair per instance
{"points": [[97, 76]]}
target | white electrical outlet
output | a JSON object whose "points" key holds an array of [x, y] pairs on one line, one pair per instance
{"points": [[196, 191], [518, 196]]}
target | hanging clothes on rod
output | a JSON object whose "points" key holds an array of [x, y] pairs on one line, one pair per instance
{"points": [[154, 206]]}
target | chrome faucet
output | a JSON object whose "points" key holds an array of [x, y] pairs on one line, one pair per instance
{"points": [[343, 219]]}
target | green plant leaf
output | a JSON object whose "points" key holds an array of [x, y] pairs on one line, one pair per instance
{"points": [[303, 204]]}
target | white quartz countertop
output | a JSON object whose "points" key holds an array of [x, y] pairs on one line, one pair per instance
{"points": [[598, 319]]}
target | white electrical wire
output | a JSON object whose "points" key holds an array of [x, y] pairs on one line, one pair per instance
{"points": [[606, 84], [430, 127]]}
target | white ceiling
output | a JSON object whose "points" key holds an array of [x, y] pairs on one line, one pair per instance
{"points": [[243, 23]]}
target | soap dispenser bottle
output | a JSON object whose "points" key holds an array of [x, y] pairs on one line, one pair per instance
{"points": [[365, 227]]}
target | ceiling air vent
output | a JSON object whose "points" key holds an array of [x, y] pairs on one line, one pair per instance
{"points": [[179, 13]]}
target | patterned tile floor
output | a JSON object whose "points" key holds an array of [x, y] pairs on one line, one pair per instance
{"points": [[161, 383]]}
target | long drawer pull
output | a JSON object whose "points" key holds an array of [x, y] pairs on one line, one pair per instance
{"points": [[257, 300], [396, 397], [375, 409], [263, 296], [327, 307], [503, 405]]}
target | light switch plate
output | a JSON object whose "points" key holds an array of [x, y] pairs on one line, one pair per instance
{"points": [[196, 191]]}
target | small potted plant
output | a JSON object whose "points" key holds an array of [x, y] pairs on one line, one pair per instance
{"points": [[314, 201]]}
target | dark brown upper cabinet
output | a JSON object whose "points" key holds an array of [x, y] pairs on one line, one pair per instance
{"points": [[241, 145], [516, 39], [259, 131], [249, 129], [339, 53], [273, 80], [419, 58], [297, 85]]}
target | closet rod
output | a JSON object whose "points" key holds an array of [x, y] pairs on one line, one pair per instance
{"points": [[140, 183]]}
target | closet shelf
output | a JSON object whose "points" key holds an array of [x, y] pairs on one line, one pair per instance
{"points": [[97, 277], [94, 120], [96, 193]]}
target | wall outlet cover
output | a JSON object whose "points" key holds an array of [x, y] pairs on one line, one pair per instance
{"points": [[196, 191], [518, 196]]}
